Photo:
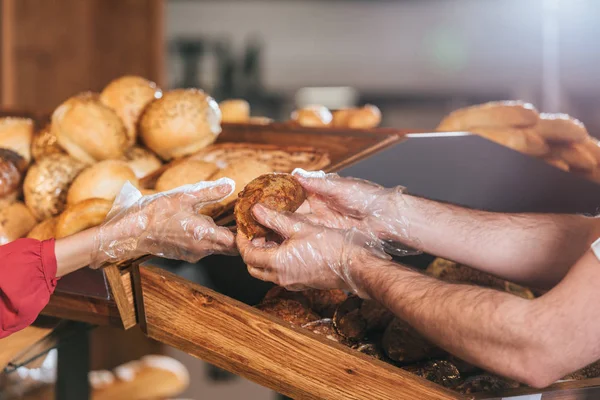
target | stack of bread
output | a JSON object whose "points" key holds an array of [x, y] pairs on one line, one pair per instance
{"points": [[559, 139]]}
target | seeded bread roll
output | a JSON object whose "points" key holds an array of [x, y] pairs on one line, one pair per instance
{"points": [[103, 180], [185, 173], [496, 114]]}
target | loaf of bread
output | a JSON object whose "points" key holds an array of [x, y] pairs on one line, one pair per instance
{"points": [[365, 117], [128, 96], [312, 116], [525, 140], [16, 134], [185, 173], [81, 216], [103, 180], [44, 230], [180, 123], [497, 114], [15, 222], [561, 128], [235, 111]]}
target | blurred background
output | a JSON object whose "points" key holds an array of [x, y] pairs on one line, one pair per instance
{"points": [[415, 60]]}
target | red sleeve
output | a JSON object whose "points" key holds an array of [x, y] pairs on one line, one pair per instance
{"points": [[27, 279]]}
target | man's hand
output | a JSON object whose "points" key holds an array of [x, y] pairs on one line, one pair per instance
{"points": [[310, 256]]}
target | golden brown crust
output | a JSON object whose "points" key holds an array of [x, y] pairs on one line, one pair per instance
{"points": [[235, 111], [44, 230], [576, 155], [180, 123], [81, 216], [592, 145], [185, 173], [12, 168], [141, 161], [103, 180], [47, 183], [497, 114], [525, 141], [405, 345], [127, 96], [15, 222], [280, 192], [45, 143], [365, 117], [323, 302], [312, 116], [88, 130], [16, 134], [290, 311], [561, 128]]}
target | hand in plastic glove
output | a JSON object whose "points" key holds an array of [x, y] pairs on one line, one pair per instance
{"points": [[346, 203], [164, 224], [311, 256]]}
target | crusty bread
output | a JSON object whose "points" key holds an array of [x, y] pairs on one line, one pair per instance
{"points": [[141, 161], [44, 143], [16, 134], [127, 96], [180, 123], [576, 155], [47, 182], [81, 216], [9, 199], [44, 230], [497, 114], [365, 117], [15, 222], [88, 130], [12, 169], [312, 116], [561, 128], [235, 111], [187, 172], [103, 180]]}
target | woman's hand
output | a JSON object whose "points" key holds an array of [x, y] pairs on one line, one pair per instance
{"points": [[311, 256], [164, 224]]}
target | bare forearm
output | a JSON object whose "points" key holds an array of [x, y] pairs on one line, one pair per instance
{"points": [[532, 249], [74, 252]]}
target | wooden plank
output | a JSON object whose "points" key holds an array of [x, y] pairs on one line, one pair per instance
{"points": [[240, 339], [85, 309], [6, 53], [120, 286], [14, 344]]}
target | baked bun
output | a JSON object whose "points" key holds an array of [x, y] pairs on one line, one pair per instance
{"points": [[576, 155], [365, 117], [16, 134], [561, 128], [180, 123], [141, 161], [312, 116], [496, 114], [12, 169], [15, 222], [9, 199], [47, 182], [44, 143], [558, 163], [526, 141], [127, 97], [185, 173], [242, 172], [280, 192], [88, 130], [235, 111], [103, 180], [260, 120], [44, 230], [81, 216]]}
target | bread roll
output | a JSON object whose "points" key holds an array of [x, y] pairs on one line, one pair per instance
{"points": [[497, 114], [9, 199], [44, 230], [516, 139], [16, 134], [180, 123], [535, 144], [592, 145], [312, 116], [339, 118], [242, 172], [561, 128], [47, 183], [187, 172], [141, 161], [81, 216], [127, 96], [15, 222], [235, 111], [260, 121], [365, 117], [12, 168], [576, 155], [558, 163], [88, 130], [44, 143], [103, 180]]}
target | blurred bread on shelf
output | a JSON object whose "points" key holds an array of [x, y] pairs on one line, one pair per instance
{"points": [[260, 120], [103, 180], [16, 134], [312, 116], [576, 155], [561, 128], [235, 111], [366, 117], [495, 114]]}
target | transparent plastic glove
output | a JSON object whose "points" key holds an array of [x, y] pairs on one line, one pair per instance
{"points": [[311, 256], [164, 224], [346, 203]]}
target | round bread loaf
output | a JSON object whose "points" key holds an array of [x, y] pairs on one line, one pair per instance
{"points": [[185, 173], [235, 111], [180, 123], [290, 311], [81, 216], [88, 130], [312, 116], [15, 222], [12, 168], [44, 143], [127, 96], [280, 192], [47, 183], [497, 114], [16, 134], [561, 128], [103, 180], [141, 161], [44, 230]]}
